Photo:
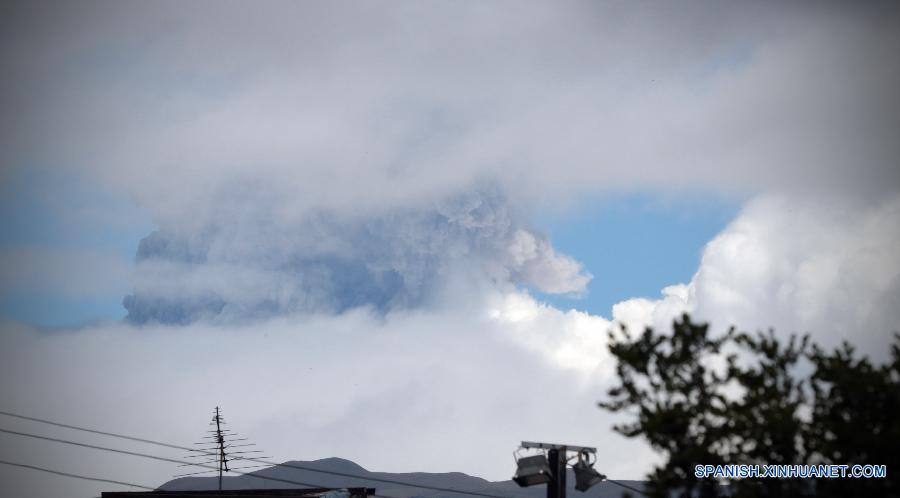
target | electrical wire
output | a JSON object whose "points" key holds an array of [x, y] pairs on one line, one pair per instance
{"points": [[626, 486], [75, 476], [255, 460], [94, 431], [154, 457], [299, 467]]}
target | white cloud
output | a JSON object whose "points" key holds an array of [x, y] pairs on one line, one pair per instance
{"points": [[254, 136], [568, 340], [827, 267], [539, 265], [306, 387], [345, 107], [334, 111], [495, 369], [639, 313]]}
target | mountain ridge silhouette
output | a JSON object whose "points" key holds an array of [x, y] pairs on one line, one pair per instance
{"points": [[450, 480]]}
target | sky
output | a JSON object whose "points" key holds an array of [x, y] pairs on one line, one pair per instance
{"points": [[398, 232]]}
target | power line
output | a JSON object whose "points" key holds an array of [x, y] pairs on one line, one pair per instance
{"points": [[173, 460], [292, 466], [626, 486], [155, 457], [94, 431], [75, 476]]}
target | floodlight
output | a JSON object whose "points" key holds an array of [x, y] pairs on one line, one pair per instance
{"points": [[585, 474], [532, 470]]}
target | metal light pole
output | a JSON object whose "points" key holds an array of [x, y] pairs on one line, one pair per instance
{"points": [[556, 488], [552, 471]]}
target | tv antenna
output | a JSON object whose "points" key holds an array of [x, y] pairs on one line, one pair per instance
{"points": [[217, 450]]}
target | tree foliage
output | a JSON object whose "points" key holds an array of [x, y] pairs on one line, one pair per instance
{"points": [[744, 398]]}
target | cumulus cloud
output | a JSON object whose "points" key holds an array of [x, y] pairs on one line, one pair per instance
{"points": [[822, 266], [313, 386]]}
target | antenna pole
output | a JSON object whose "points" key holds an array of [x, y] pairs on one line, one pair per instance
{"points": [[214, 452], [221, 442]]}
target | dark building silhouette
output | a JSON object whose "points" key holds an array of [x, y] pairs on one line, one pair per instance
{"points": [[246, 493]]}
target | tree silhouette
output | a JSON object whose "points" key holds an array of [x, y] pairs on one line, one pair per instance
{"points": [[752, 399]]}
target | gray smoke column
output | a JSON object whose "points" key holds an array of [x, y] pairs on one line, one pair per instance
{"points": [[260, 265]]}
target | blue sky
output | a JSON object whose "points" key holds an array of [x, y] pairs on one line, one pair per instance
{"points": [[47, 209], [635, 244]]}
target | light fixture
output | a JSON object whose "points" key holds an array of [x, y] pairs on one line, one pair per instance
{"points": [[532, 470], [585, 474]]}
